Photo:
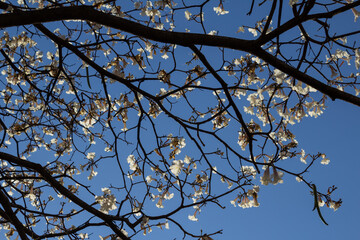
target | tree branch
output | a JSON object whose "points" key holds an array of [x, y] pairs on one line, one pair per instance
{"points": [[9, 215], [56, 185], [87, 13]]}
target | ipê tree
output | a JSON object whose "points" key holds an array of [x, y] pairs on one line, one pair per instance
{"points": [[175, 108]]}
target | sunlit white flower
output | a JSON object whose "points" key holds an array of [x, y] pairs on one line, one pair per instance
{"points": [[90, 155], [303, 157], [93, 173], [107, 201], [314, 108], [149, 179], [253, 31], [325, 161], [335, 205], [159, 204], [168, 196], [299, 89], [176, 142], [279, 76], [243, 140], [245, 202], [254, 99], [88, 122], [132, 162], [176, 167], [167, 225], [49, 55], [213, 32], [340, 54], [266, 178], [165, 56], [220, 10], [248, 171], [276, 176], [187, 15], [107, 149], [83, 236], [254, 203], [192, 218], [187, 159], [254, 194], [292, 2]]}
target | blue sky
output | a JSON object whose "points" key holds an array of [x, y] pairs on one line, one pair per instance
{"points": [[285, 210]]}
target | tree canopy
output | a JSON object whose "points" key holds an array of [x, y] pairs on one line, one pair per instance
{"points": [[118, 116]]}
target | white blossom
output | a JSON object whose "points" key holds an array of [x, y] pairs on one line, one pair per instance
{"points": [[357, 58], [335, 205], [192, 218], [132, 162], [187, 15], [107, 201], [220, 10], [279, 76], [213, 32], [253, 31], [149, 179], [303, 157], [83, 235], [176, 167], [187, 159], [277, 176], [248, 171], [90, 155], [325, 160], [292, 2], [266, 179]]}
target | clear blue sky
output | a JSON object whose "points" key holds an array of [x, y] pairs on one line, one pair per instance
{"points": [[285, 210]]}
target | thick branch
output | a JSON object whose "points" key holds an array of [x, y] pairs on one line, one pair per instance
{"points": [[333, 93], [9, 215], [87, 13], [303, 18], [184, 39]]}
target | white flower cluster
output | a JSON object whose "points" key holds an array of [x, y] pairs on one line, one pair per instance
{"points": [[176, 144], [274, 178], [132, 162], [220, 10], [244, 201], [339, 54], [107, 201], [161, 197], [176, 167], [249, 171], [325, 160]]}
